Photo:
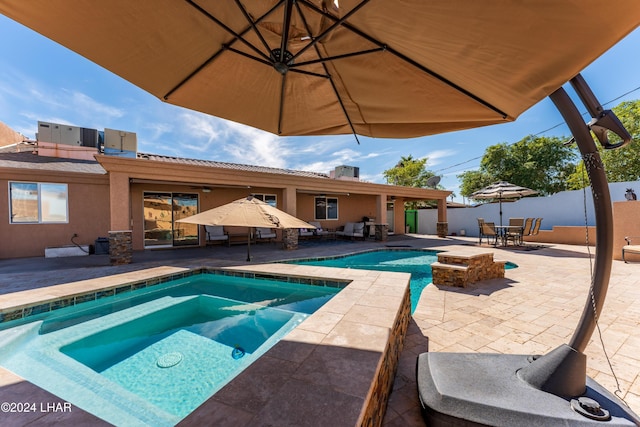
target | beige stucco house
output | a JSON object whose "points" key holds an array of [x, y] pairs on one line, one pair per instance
{"points": [[59, 195]]}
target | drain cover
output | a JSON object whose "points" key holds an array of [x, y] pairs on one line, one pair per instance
{"points": [[237, 353], [168, 360]]}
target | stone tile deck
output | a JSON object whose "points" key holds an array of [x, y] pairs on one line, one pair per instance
{"points": [[532, 310]]}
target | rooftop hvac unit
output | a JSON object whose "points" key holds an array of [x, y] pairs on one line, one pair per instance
{"points": [[120, 143], [58, 133], [65, 134], [347, 172]]}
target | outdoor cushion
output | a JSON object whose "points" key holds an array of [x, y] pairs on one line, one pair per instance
{"points": [[215, 232]]}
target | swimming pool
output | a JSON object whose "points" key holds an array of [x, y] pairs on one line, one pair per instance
{"points": [[415, 261], [151, 356]]}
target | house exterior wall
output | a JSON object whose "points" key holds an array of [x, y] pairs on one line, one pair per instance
{"points": [[102, 204], [88, 205]]}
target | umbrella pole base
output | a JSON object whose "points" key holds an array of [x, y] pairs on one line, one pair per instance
{"points": [[469, 389]]}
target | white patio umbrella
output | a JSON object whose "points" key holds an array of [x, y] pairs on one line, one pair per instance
{"points": [[502, 190], [247, 212]]}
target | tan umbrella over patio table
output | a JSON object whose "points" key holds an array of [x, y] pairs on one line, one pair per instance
{"points": [[318, 67], [247, 212], [502, 190]]}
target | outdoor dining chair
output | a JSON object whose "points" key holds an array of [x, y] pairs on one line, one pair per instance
{"points": [[515, 231], [488, 230]]}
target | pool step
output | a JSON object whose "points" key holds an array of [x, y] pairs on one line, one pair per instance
{"points": [[461, 270]]}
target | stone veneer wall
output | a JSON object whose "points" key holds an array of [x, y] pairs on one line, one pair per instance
{"points": [[290, 239], [382, 232], [120, 247], [376, 403], [461, 270], [442, 229]]}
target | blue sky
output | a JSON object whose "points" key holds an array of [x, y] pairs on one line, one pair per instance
{"points": [[41, 80]]}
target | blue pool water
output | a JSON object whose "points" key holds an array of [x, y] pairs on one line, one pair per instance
{"points": [[416, 262], [151, 357]]}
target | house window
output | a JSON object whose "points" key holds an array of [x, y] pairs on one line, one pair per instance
{"points": [[40, 203], [326, 208], [267, 198]]}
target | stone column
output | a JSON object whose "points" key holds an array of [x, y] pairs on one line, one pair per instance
{"points": [[290, 239], [382, 232], [442, 229], [120, 247]]}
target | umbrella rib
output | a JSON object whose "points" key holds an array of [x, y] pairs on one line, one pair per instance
{"points": [[227, 29], [285, 30], [324, 66], [406, 58], [281, 109], [326, 32], [237, 36], [253, 24], [346, 55]]}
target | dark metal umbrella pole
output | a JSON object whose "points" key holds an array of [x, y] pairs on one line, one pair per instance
{"points": [[553, 389]]}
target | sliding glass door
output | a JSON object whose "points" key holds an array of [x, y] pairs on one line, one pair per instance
{"points": [[161, 211]]}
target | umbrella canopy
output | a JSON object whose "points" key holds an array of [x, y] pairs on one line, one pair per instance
{"points": [[248, 212], [382, 68], [502, 190]]}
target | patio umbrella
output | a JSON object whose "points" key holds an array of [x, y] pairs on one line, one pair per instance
{"points": [[317, 67], [380, 68], [247, 212], [502, 190]]}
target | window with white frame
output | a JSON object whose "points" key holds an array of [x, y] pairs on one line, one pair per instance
{"points": [[38, 203], [267, 198], [326, 207]]}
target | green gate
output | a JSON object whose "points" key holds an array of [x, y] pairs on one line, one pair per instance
{"points": [[411, 221]]}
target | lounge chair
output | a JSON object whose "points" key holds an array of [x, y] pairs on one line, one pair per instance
{"points": [[528, 226], [318, 231], [629, 248], [537, 222], [263, 233], [305, 233], [352, 230], [216, 233], [488, 230]]}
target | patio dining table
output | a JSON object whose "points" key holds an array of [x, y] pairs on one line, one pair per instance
{"points": [[504, 230]]}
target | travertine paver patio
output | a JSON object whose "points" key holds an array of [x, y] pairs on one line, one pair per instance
{"points": [[534, 309]]}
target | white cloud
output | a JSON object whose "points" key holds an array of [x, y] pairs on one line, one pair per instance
{"points": [[438, 156]]}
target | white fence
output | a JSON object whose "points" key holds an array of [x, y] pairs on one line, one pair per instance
{"points": [[565, 208]]}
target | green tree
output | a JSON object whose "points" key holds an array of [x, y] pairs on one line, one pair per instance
{"points": [[540, 163], [471, 181], [409, 172]]}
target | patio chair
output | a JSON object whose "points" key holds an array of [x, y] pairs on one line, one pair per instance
{"points": [[305, 233], [352, 230], [216, 233], [480, 222], [263, 233], [319, 231], [536, 226], [515, 231], [528, 225], [629, 248], [488, 230]]}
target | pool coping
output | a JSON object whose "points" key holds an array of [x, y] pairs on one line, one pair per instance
{"points": [[345, 353]]}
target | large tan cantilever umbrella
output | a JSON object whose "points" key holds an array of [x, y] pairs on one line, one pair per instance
{"points": [[248, 212], [381, 68], [502, 190]]}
